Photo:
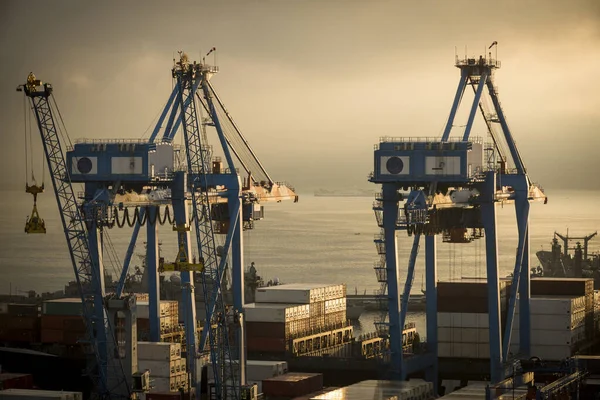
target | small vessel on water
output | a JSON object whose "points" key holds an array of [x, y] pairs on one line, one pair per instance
{"points": [[582, 263]]}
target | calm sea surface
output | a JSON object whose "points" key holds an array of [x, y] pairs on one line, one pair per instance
{"points": [[318, 239]]}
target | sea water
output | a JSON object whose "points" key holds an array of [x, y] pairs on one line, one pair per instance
{"points": [[318, 239]]}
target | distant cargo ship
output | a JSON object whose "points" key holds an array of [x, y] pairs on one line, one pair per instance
{"points": [[558, 262], [344, 193]]}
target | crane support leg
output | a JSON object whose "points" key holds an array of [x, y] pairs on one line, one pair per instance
{"points": [[160, 121], [94, 240], [152, 273], [457, 98], [431, 306], [488, 210], [129, 254], [522, 207], [237, 256], [410, 276], [180, 211], [512, 146], [390, 216], [475, 106]]}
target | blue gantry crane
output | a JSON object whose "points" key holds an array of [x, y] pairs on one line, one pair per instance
{"points": [[122, 178], [450, 187], [114, 371]]}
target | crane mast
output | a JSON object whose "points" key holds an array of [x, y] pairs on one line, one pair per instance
{"points": [[100, 339], [226, 381]]}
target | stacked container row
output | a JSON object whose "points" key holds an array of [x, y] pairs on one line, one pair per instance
{"points": [[19, 323], [168, 370], [256, 371], [573, 287], [62, 321], [289, 311], [557, 326], [168, 317], [463, 318]]}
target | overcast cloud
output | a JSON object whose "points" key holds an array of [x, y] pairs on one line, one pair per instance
{"points": [[313, 84]]}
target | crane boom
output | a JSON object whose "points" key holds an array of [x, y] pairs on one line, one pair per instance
{"points": [[99, 337]]}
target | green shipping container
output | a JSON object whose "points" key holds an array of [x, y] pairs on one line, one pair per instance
{"points": [[68, 306]]}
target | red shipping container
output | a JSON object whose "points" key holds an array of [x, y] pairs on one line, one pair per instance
{"points": [[53, 322], [25, 322], [292, 384], [22, 335], [561, 286], [52, 336], [265, 344], [16, 381], [74, 324]]}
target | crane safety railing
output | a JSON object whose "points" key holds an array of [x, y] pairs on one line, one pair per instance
{"points": [[472, 62], [425, 139], [110, 141]]}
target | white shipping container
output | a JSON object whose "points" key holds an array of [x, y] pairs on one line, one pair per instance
{"points": [[444, 349], [552, 322], [260, 372], [163, 384], [468, 335], [299, 293], [20, 394], [444, 319], [158, 351], [3, 308], [540, 337], [167, 308], [159, 369], [274, 312], [554, 305]]}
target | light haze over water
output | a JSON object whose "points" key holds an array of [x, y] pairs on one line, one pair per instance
{"points": [[318, 239]]}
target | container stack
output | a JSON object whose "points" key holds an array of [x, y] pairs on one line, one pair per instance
{"points": [[463, 319], [569, 287], [167, 368], [557, 326], [291, 385], [19, 323], [293, 310], [168, 314], [256, 371], [26, 394], [62, 321]]}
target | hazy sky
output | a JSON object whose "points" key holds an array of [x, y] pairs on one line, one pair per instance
{"points": [[313, 84]]}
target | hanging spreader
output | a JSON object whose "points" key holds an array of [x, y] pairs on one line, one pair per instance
{"points": [[34, 223]]}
